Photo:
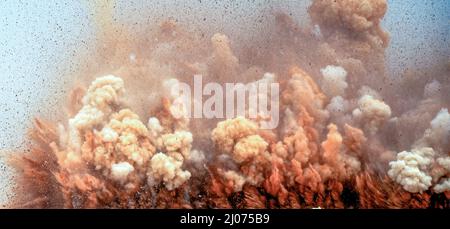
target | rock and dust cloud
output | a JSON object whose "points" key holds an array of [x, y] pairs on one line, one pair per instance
{"points": [[350, 134]]}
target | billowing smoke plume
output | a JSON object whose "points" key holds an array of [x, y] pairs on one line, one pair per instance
{"points": [[345, 139]]}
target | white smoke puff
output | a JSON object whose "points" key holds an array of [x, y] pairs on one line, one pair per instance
{"points": [[442, 169], [357, 113], [248, 148], [410, 169], [437, 137], [101, 95], [439, 132], [179, 141], [166, 169], [120, 171], [236, 179], [442, 122], [337, 105], [108, 134], [431, 89], [154, 127], [444, 162], [88, 116], [443, 186], [333, 83], [131, 146], [229, 131], [126, 122], [372, 111], [103, 91]]}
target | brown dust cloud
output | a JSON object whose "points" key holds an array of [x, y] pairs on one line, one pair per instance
{"points": [[350, 134]]}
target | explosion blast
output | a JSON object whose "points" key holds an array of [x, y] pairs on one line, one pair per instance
{"points": [[350, 135]]}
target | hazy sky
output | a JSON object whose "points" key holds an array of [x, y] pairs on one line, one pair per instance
{"points": [[420, 30]]}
